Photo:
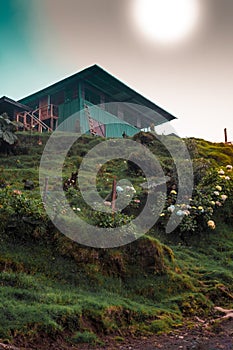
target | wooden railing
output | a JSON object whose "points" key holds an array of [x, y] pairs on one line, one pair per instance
{"points": [[35, 119]]}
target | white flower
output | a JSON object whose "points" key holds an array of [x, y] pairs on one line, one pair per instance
{"points": [[224, 197], [171, 208], [76, 209], [180, 213], [211, 224], [137, 201], [229, 167], [119, 189], [216, 193], [227, 178], [130, 188], [221, 172]]}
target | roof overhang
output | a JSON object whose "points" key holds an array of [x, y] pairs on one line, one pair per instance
{"points": [[9, 106], [108, 84]]}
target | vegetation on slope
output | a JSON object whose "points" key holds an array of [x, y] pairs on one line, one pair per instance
{"points": [[51, 285]]}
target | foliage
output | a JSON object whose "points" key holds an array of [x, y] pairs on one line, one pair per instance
{"points": [[110, 220], [7, 133], [51, 285], [219, 154], [201, 167], [84, 337], [19, 214], [213, 192]]}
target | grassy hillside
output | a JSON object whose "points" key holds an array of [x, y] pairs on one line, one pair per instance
{"points": [[53, 287]]}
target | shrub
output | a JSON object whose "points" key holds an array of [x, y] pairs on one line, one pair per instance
{"points": [[20, 214], [212, 198], [84, 337]]}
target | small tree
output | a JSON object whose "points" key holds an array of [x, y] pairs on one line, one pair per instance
{"points": [[7, 134]]}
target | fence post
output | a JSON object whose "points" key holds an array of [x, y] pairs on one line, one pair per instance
{"points": [[114, 195], [225, 134], [46, 182]]}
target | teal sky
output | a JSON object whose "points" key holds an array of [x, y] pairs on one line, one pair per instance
{"points": [[12, 39], [44, 41], [15, 51], [22, 67]]}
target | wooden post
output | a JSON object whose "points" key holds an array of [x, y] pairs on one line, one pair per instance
{"points": [[17, 120], [114, 195], [51, 123], [45, 189], [225, 134], [31, 126], [25, 121]]}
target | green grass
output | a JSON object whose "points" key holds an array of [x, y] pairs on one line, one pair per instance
{"points": [[220, 154], [84, 337], [42, 290]]}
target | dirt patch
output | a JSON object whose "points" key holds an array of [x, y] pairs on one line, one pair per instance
{"points": [[203, 336], [200, 337]]}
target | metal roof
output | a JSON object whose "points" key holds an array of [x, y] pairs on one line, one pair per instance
{"points": [[105, 82], [7, 105]]}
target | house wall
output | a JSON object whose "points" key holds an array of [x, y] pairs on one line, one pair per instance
{"points": [[70, 100]]}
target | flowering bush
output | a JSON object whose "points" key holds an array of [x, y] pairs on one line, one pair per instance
{"points": [[15, 201], [19, 213], [213, 196], [212, 201], [110, 220]]}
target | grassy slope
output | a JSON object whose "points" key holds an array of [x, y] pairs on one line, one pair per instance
{"points": [[51, 285]]}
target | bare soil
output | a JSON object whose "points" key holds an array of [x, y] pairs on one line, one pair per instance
{"points": [[203, 336]]}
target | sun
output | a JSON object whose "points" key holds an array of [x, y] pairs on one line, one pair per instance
{"points": [[166, 21]]}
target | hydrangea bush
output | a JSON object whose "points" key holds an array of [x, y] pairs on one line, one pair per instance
{"points": [[212, 197], [211, 202]]}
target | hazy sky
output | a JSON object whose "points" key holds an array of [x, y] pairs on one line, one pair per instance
{"points": [[44, 41]]}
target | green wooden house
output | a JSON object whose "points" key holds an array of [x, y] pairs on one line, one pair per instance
{"points": [[98, 103]]}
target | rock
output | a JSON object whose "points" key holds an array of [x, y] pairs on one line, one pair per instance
{"points": [[7, 347], [28, 185]]}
